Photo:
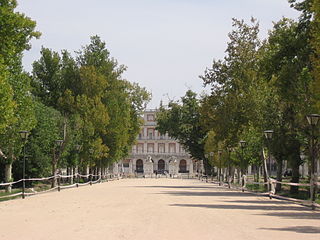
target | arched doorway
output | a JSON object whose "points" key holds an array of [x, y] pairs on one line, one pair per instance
{"points": [[139, 166], [183, 166], [161, 166]]}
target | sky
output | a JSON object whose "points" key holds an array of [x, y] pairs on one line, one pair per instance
{"points": [[165, 44]]}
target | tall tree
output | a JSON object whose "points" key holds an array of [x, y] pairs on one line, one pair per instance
{"points": [[16, 31], [182, 122]]}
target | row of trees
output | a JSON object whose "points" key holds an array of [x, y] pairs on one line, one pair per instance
{"points": [[259, 85], [81, 99]]}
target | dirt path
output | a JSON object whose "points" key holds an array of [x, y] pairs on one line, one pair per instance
{"points": [[155, 209]]}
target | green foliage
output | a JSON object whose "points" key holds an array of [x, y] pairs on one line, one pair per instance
{"points": [[42, 140], [182, 122], [90, 87], [7, 105], [16, 31]]}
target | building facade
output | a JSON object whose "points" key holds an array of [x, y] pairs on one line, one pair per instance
{"points": [[156, 153]]}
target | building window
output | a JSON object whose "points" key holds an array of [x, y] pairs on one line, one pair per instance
{"points": [[172, 147], [182, 149], [125, 163], [150, 132], [161, 148], [150, 147], [150, 117], [140, 147]]}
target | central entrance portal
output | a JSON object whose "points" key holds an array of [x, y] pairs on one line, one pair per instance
{"points": [[161, 166], [139, 166], [183, 166]]}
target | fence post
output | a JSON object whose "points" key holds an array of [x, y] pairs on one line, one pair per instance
{"points": [[59, 179]]}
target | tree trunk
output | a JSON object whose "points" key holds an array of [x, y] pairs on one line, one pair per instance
{"points": [[238, 175], [54, 179], [295, 178], [8, 176], [265, 179], [54, 168], [71, 172], [279, 174]]}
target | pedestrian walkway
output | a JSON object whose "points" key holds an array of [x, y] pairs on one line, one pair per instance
{"points": [[155, 209]]}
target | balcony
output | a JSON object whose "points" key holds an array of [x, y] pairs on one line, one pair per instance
{"points": [[158, 155], [150, 123], [154, 138]]}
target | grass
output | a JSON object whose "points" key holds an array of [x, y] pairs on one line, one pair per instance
{"points": [[3, 193], [303, 193]]}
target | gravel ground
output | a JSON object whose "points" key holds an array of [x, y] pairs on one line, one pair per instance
{"points": [[155, 209]]}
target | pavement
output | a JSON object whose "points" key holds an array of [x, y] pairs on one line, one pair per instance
{"points": [[155, 209]]}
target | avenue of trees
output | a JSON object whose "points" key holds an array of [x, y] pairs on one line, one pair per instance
{"points": [[269, 84], [80, 99]]}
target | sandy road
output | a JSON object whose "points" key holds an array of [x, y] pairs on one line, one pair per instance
{"points": [[155, 209]]}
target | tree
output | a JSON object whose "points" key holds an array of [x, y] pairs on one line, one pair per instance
{"points": [[42, 139], [90, 92], [233, 103], [182, 122], [16, 31]]}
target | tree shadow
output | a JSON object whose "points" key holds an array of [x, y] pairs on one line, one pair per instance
{"points": [[245, 207], [175, 187], [260, 202], [297, 229], [297, 215], [212, 194]]}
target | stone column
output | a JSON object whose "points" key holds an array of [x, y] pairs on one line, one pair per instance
{"points": [[115, 169], [130, 167], [190, 167], [173, 169], [148, 167]]}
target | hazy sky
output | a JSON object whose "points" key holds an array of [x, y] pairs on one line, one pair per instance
{"points": [[166, 44]]}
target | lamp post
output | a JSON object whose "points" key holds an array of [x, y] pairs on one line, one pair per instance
{"points": [[59, 143], [207, 157], [78, 148], [220, 153], [90, 174], [100, 166], [212, 167], [230, 149], [268, 135], [24, 136], [243, 144], [313, 120]]}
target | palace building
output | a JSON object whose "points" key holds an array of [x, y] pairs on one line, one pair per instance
{"points": [[156, 153]]}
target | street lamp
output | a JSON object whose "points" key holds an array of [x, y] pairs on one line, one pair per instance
{"points": [[212, 166], [230, 150], [313, 120], [219, 153], [59, 143], [243, 144], [100, 165], [90, 174], [24, 136], [269, 134]]}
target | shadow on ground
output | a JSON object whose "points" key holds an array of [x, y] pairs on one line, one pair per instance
{"points": [[295, 215], [175, 187], [246, 207], [297, 229], [259, 202], [213, 194]]}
